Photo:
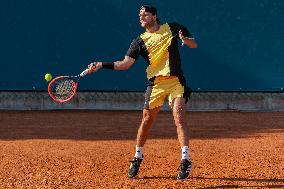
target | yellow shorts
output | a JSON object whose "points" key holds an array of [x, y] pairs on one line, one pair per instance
{"points": [[162, 87]]}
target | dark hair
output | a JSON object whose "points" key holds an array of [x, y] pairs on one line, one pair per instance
{"points": [[152, 10]]}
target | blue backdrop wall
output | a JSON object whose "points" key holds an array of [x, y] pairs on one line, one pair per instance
{"points": [[241, 43]]}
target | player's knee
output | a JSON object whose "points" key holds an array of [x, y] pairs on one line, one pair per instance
{"points": [[179, 123], [147, 121]]}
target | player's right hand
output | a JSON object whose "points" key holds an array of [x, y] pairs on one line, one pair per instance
{"points": [[94, 66]]}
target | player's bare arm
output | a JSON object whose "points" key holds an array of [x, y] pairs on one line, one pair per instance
{"points": [[190, 42], [124, 64]]}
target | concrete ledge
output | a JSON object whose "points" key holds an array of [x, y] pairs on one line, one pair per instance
{"points": [[201, 101]]}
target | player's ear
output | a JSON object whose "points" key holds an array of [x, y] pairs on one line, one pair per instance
{"points": [[155, 17]]}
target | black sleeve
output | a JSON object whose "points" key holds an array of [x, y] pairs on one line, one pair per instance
{"points": [[134, 49], [176, 27]]}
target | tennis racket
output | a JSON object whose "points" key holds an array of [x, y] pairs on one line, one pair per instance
{"points": [[63, 88]]}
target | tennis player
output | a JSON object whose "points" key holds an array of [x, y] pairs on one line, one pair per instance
{"points": [[158, 45]]}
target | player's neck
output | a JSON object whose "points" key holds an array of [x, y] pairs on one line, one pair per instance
{"points": [[154, 28]]}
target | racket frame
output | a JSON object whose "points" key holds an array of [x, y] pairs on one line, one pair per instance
{"points": [[81, 75], [60, 77]]}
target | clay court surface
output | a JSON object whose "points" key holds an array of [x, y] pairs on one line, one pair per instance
{"points": [[91, 149]]}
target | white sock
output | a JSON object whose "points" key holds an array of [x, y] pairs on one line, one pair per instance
{"points": [[185, 153], [139, 152]]}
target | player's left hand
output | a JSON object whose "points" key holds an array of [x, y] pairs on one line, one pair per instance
{"points": [[181, 36]]}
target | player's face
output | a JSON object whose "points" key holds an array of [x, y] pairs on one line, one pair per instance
{"points": [[146, 18]]}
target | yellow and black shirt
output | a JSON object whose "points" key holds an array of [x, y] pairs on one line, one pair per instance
{"points": [[160, 50]]}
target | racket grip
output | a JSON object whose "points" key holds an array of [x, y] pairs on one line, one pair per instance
{"points": [[85, 72]]}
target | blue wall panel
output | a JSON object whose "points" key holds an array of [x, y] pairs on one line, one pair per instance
{"points": [[241, 43]]}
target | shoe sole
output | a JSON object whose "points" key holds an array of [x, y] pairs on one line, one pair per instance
{"points": [[182, 178], [186, 177]]}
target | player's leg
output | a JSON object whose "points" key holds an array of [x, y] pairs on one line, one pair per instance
{"points": [[178, 97], [154, 99], [179, 118], [183, 136], [149, 116], [148, 119]]}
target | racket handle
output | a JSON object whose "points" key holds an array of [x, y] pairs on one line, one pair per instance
{"points": [[85, 72]]}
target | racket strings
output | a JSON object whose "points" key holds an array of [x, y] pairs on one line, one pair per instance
{"points": [[63, 88]]}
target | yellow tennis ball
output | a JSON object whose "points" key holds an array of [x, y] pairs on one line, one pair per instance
{"points": [[48, 77]]}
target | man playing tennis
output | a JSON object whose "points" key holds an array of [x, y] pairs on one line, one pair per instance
{"points": [[159, 47]]}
